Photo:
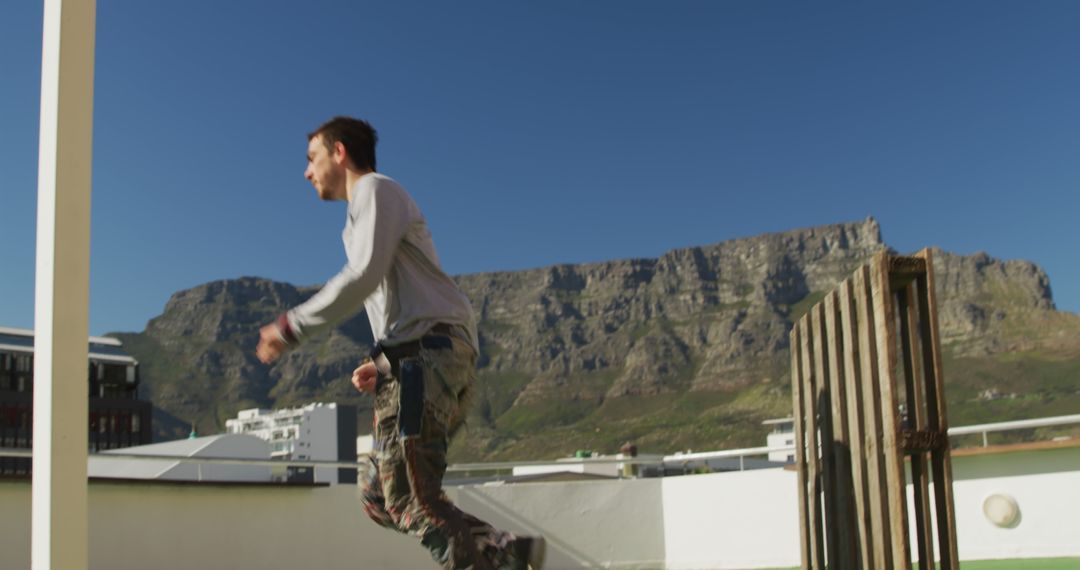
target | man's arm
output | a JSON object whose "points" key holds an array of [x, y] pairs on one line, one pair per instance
{"points": [[381, 218]]}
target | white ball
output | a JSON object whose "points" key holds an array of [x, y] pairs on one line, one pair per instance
{"points": [[1002, 510]]}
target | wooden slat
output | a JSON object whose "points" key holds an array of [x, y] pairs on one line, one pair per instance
{"points": [[817, 530], [797, 388], [872, 435], [941, 462], [822, 399], [902, 270], [884, 323], [913, 377], [843, 523], [855, 422]]}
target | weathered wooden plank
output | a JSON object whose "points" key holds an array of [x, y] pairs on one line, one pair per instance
{"points": [[855, 422], [884, 325], [822, 398], [872, 433], [816, 527], [916, 422], [843, 525], [799, 411], [903, 270], [941, 463]]}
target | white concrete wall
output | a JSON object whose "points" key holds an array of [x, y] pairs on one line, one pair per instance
{"points": [[741, 519], [1049, 517], [15, 524], [749, 519], [722, 521], [587, 524], [1046, 487], [181, 527]]}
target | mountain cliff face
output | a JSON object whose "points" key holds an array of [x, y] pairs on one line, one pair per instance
{"points": [[695, 319], [687, 350]]}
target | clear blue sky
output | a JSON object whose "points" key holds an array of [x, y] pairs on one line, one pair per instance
{"points": [[556, 132]]}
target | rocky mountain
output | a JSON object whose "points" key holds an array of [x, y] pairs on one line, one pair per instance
{"points": [[686, 350]]}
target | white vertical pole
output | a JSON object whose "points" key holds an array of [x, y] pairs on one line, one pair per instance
{"points": [[59, 505]]}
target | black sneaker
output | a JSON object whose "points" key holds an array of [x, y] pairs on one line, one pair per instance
{"points": [[529, 552]]}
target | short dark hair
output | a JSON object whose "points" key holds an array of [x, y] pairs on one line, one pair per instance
{"points": [[358, 137]]}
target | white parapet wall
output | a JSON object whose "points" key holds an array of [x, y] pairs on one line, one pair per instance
{"points": [[716, 521], [181, 526], [1045, 486], [587, 524], [742, 519]]}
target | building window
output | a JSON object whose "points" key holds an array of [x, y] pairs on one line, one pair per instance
{"points": [[24, 373], [7, 365], [114, 373]]}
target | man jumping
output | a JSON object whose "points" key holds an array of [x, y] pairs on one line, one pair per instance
{"points": [[423, 368]]}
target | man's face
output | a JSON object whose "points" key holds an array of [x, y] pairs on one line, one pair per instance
{"points": [[325, 173]]}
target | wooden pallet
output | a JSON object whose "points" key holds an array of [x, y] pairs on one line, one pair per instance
{"points": [[867, 392]]}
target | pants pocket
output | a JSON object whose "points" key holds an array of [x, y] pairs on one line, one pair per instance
{"points": [[448, 374]]}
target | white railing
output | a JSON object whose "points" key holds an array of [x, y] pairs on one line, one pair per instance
{"points": [[681, 458], [1018, 424]]}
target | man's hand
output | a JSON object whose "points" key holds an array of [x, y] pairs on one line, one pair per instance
{"points": [[271, 345], [363, 378]]}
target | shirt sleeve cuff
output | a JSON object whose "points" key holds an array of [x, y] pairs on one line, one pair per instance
{"points": [[286, 330]]}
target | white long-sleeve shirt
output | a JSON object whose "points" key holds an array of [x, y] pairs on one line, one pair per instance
{"points": [[392, 271]]}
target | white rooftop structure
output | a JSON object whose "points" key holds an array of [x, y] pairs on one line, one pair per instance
{"points": [[101, 348], [781, 435], [215, 446], [317, 431]]}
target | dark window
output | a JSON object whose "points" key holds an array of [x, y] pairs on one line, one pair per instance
{"points": [[115, 381], [9, 423], [7, 363], [24, 373], [114, 373]]}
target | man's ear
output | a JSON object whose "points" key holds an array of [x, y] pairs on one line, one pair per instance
{"points": [[340, 155]]}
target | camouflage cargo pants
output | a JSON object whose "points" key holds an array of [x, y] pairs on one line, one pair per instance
{"points": [[417, 408]]}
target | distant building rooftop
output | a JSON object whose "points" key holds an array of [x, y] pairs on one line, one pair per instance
{"points": [[100, 348]]}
